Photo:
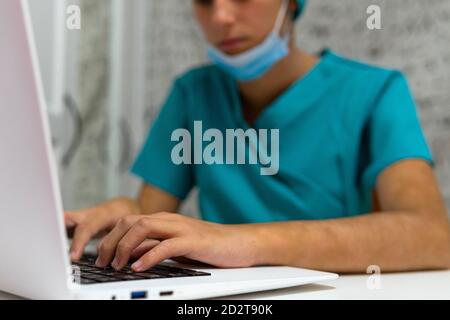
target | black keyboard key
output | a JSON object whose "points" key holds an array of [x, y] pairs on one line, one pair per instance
{"points": [[88, 269], [87, 281], [91, 274], [127, 277], [100, 271], [150, 275], [100, 278]]}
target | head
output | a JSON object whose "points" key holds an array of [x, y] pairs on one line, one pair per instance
{"points": [[235, 26]]}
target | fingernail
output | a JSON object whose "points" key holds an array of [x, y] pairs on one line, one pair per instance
{"points": [[97, 262], [73, 255], [115, 263], [137, 266]]}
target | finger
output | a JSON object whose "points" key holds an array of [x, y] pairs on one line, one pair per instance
{"points": [[70, 219], [167, 249], [141, 230], [100, 236], [107, 247], [144, 247], [83, 234]]}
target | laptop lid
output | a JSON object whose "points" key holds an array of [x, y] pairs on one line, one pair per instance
{"points": [[32, 236]]}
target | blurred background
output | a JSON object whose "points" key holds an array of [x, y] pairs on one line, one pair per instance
{"points": [[105, 82]]}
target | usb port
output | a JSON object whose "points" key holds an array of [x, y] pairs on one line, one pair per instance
{"points": [[138, 295], [165, 293]]}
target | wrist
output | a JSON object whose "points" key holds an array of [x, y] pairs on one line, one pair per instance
{"points": [[123, 206], [133, 205], [257, 243], [272, 243]]}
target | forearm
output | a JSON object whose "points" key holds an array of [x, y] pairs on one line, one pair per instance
{"points": [[148, 204], [394, 241], [149, 201]]}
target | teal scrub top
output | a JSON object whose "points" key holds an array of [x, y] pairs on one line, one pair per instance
{"points": [[340, 126]]}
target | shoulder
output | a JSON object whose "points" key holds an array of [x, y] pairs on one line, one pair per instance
{"points": [[362, 74], [366, 91], [365, 84]]}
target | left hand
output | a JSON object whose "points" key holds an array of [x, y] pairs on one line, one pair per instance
{"points": [[157, 237]]}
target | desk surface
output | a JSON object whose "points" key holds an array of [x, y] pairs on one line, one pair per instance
{"points": [[416, 285]]}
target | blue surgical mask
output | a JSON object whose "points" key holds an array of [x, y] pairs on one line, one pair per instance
{"points": [[256, 62]]}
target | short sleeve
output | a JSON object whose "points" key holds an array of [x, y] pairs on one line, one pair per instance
{"points": [[393, 131], [154, 163]]}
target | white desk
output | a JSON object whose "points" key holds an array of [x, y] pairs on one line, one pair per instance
{"points": [[418, 285]]}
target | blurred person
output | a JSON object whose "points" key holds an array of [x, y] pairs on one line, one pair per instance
{"points": [[355, 185]]}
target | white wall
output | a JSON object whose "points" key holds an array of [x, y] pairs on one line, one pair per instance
{"points": [[42, 12]]}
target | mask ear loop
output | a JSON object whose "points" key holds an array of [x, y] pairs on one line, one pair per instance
{"points": [[282, 14]]}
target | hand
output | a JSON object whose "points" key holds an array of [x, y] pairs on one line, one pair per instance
{"points": [[88, 223], [162, 236]]}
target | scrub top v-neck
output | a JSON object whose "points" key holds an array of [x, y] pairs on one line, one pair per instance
{"points": [[340, 126], [306, 88]]}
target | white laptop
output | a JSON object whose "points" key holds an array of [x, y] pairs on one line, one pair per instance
{"points": [[33, 243]]}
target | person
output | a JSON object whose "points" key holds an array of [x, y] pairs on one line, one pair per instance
{"points": [[355, 185]]}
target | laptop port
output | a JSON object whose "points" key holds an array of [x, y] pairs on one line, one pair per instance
{"points": [[165, 293], [138, 295]]}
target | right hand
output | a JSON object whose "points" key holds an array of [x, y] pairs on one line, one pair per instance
{"points": [[88, 223]]}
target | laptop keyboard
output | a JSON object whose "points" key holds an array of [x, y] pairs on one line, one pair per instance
{"points": [[89, 273]]}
